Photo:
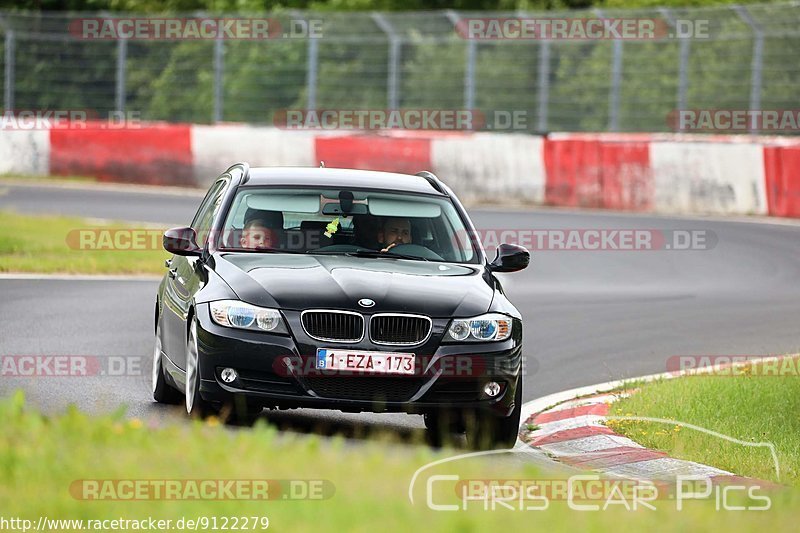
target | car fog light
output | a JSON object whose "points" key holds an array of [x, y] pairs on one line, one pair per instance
{"points": [[491, 389], [229, 375]]}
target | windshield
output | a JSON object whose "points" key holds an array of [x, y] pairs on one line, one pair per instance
{"points": [[362, 223]]}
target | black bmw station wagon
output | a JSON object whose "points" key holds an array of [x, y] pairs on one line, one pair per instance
{"points": [[339, 289]]}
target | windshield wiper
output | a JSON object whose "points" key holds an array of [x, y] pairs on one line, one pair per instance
{"points": [[261, 250], [375, 253], [367, 253]]}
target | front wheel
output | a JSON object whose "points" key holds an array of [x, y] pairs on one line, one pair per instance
{"points": [[163, 392], [240, 411], [486, 431], [195, 404], [443, 425]]}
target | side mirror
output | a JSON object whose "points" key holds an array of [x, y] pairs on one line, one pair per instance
{"points": [[510, 258], [181, 241]]}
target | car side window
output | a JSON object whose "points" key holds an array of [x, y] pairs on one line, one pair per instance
{"points": [[205, 215]]}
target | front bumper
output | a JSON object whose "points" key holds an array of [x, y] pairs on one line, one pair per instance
{"points": [[278, 371]]}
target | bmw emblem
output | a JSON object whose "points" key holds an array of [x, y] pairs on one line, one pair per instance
{"points": [[366, 302]]}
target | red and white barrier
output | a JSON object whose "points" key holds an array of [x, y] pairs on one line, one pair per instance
{"points": [[708, 177], [668, 173], [215, 148], [373, 152], [159, 154], [782, 180], [25, 152], [480, 166], [694, 174], [595, 171]]}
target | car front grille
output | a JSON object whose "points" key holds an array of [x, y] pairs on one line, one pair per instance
{"points": [[399, 329], [336, 326], [376, 389]]}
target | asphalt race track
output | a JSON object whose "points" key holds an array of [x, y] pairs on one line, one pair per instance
{"points": [[590, 316]]}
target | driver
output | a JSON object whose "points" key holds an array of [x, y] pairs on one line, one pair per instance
{"points": [[257, 236], [395, 230]]}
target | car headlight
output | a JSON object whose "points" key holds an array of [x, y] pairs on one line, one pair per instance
{"points": [[484, 328], [236, 314]]}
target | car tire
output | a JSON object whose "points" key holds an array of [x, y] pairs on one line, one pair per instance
{"points": [[486, 431], [195, 404], [240, 411], [442, 426], [163, 392]]}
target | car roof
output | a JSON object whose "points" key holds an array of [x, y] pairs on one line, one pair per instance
{"points": [[339, 178]]}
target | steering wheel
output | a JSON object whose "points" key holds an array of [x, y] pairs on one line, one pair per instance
{"points": [[416, 250]]}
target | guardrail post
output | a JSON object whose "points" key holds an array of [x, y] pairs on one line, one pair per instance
{"points": [[122, 55], [543, 98], [756, 62], [683, 60], [393, 79], [219, 79], [469, 76], [616, 81], [312, 65], [8, 92], [469, 66], [683, 73]]}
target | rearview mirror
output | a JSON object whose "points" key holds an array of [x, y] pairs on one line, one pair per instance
{"points": [[510, 258], [181, 241], [334, 208]]}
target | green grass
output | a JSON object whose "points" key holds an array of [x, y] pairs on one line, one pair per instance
{"points": [[41, 457], [51, 244], [751, 407]]}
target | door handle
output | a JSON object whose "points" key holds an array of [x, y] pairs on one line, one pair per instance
{"points": [[172, 272]]}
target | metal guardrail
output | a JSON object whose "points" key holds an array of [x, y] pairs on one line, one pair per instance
{"points": [[745, 58]]}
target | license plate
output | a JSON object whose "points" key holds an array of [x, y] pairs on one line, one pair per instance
{"points": [[365, 362]]}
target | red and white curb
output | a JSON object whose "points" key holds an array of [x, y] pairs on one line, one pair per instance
{"points": [[569, 428], [574, 433]]}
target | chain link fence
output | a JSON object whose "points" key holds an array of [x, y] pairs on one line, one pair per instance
{"points": [[743, 58]]}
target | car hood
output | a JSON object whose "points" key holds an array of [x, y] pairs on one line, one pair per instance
{"points": [[300, 282]]}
